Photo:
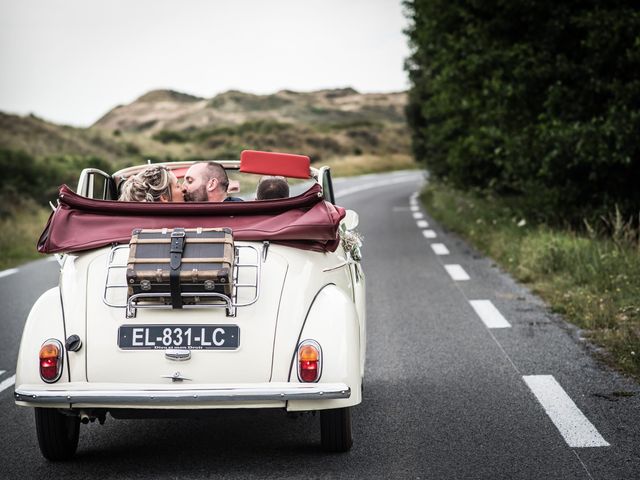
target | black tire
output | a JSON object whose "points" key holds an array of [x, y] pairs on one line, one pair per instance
{"points": [[57, 433], [335, 429]]}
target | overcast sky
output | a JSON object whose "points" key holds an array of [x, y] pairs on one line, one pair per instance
{"points": [[70, 61]]}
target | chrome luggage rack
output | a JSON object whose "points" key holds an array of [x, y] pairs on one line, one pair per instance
{"points": [[201, 300]]}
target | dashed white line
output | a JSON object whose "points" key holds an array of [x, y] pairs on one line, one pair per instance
{"points": [[6, 273], [2, 371], [439, 249], [9, 382], [489, 314], [456, 272], [574, 427], [572, 424]]}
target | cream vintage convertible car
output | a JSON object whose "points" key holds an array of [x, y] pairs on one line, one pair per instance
{"points": [[285, 329]]}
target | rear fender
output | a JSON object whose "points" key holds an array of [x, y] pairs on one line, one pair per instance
{"points": [[332, 321], [45, 321]]}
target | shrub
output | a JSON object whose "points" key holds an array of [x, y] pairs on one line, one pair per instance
{"points": [[170, 136], [533, 99], [26, 178]]}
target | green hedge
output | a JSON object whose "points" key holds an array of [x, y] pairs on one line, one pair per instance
{"points": [[535, 100], [27, 179]]}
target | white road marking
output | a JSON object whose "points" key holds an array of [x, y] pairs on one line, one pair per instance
{"points": [[456, 272], [415, 208], [574, 427], [418, 215], [6, 273], [2, 371], [440, 249], [429, 234], [422, 224], [489, 314], [9, 382]]}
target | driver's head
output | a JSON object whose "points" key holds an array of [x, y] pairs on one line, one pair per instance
{"points": [[205, 182], [271, 188]]}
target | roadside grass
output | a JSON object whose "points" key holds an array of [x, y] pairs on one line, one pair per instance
{"points": [[592, 280], [19, 233], [351, 165]]}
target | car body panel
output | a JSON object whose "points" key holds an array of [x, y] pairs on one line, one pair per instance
{"points": [[333, 323], [106, 362], [45, 321], [267, 348]]}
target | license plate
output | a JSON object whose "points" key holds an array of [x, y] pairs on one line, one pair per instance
{"points": [[191, 337]]}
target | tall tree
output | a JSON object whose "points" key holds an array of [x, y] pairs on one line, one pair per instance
{"points": [[536, 99]]}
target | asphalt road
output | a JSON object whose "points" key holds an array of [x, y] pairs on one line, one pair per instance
{"points": [[447, 395]]}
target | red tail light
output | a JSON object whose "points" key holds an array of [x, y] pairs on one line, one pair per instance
{"points": [[309, 361], [51, 360]]}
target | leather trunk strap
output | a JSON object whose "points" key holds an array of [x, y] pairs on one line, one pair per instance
{"points": [[175, 262]]}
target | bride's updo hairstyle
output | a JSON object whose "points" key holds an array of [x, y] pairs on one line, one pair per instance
{"points": [[147, 186]]}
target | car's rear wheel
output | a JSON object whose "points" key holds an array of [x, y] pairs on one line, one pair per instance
{"points": [[335, 429], [57, 433]]}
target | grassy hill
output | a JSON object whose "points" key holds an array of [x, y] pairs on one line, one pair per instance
{"points": [[40, 138], [323, 124], [170, 110], [169, 125]]}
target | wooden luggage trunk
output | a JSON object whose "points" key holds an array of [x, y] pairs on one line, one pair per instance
{"points": [[177, 261]]}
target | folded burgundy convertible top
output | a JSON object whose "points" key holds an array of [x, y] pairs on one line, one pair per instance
{"points": [[305, 221]]}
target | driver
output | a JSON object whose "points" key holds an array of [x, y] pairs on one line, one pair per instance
{"points": [[270, 188]]}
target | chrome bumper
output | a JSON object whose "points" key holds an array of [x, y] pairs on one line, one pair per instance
{"points": [[227, 394]]}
